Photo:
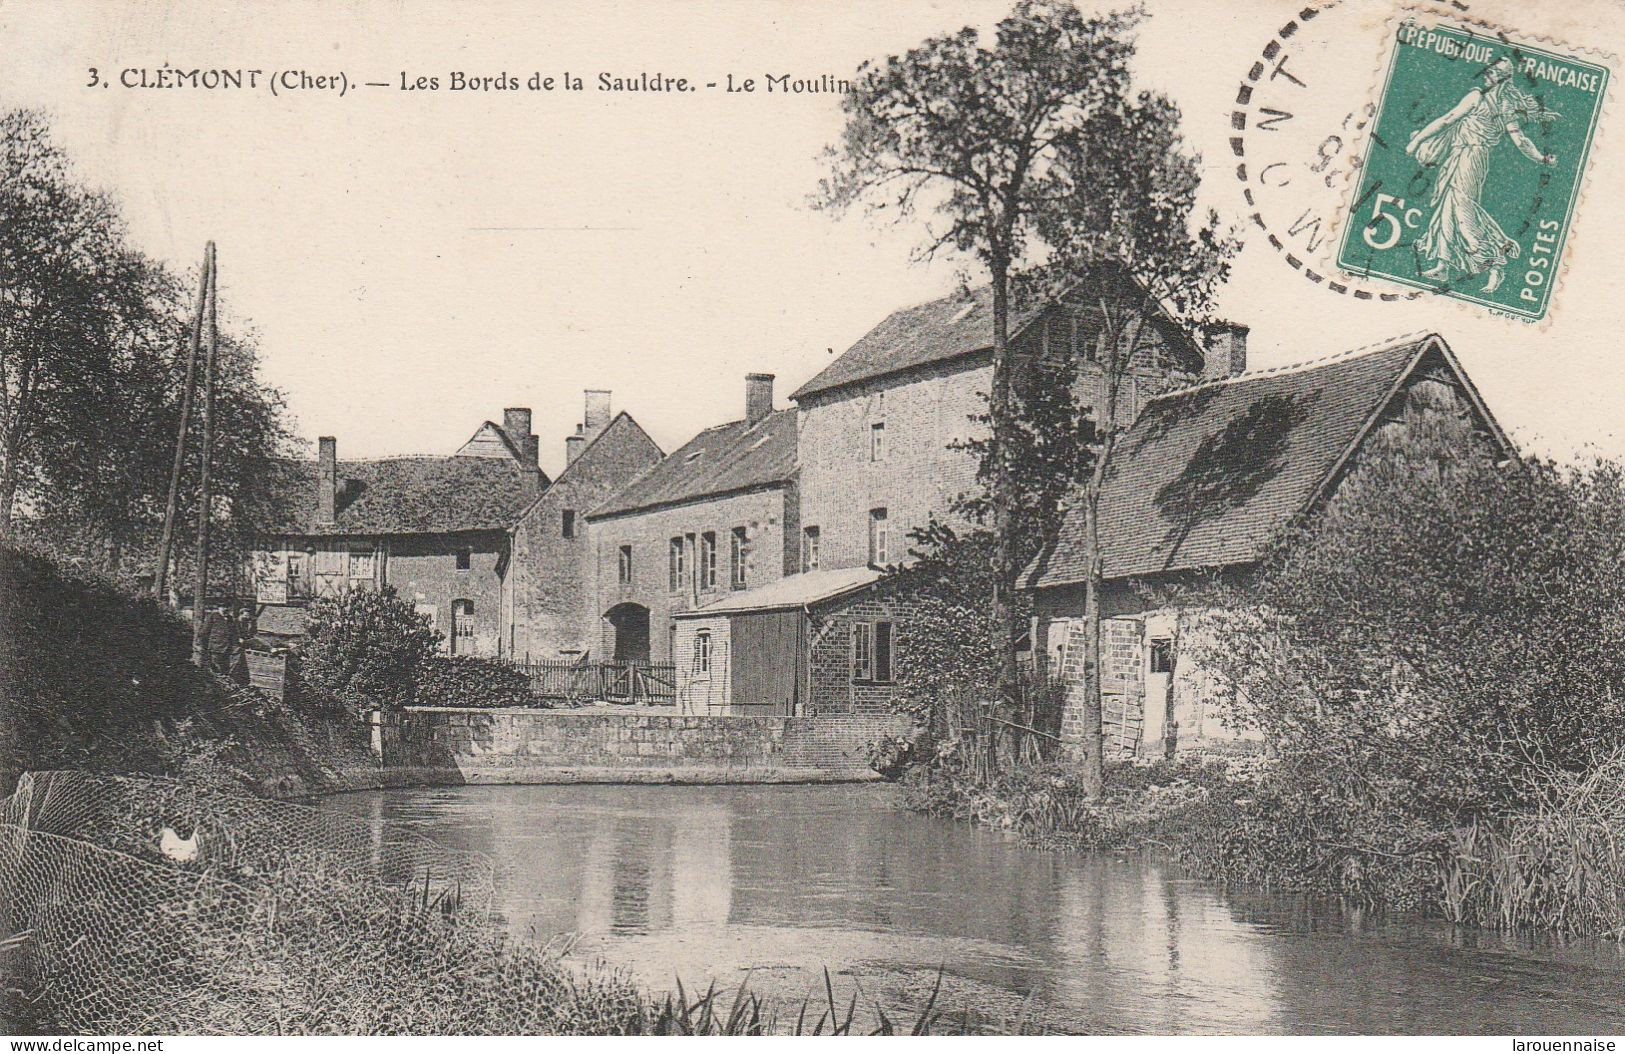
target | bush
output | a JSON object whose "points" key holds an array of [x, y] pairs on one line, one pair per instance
{"points": [[1437, 653], [365, 647], [466, 680]]}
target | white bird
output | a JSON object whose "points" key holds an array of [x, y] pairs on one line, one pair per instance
{"points": [[181, 850]]}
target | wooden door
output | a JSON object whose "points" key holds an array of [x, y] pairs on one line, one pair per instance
{"points": [[767, 654]]}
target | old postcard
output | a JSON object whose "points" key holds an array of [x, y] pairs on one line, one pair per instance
{"points": [[760, 517]]}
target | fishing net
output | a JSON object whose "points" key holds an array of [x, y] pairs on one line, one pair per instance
{"points": [[134, 905]]}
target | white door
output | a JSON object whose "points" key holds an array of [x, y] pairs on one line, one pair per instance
{"points": [[1159, 687]]}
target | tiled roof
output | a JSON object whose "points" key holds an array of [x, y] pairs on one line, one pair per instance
{"points": [[731, 457], [953, 327], [410, 495], [793, 591], [1207, 476], [942, 330]]}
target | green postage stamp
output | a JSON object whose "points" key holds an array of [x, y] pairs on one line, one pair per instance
{"points": [[1474, 166]]}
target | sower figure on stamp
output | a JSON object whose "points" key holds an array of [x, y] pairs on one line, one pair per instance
{"points": [[1461, 237]]}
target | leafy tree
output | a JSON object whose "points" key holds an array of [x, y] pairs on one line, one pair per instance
{"points": [[973, 134], [1130, 232], [365, 647], [91, 339], [1440, 648]]}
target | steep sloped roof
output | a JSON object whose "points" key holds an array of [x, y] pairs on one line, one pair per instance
{"points": [[952, 327], [1208, 476], [731, 457], [585, 461], [793, 591], [510, 446], [956, 326], [409, 495]]}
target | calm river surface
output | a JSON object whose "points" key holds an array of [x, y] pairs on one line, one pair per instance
{"points": [[782, 881]]}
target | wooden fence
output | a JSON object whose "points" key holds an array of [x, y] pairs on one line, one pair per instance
{"points": [[644, 683]]}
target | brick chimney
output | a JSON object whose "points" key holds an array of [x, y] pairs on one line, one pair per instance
{"points": [[327, 479], [596, 417], [758, 396], [1224, 351], [516, 422], [573, 445]]}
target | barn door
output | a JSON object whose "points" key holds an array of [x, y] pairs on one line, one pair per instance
{"points": [[766, 662]]}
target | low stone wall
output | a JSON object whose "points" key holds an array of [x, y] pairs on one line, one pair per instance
{"points": [[444, 745]]}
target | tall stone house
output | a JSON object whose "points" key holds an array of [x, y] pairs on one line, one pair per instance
{"points": [[883, 427], [437, 529], [716, 516], [553, 614], [1206, 479], [880, 450]]}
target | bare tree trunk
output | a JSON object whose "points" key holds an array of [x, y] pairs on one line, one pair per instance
{"points": [[1091, 747], [200, 593], [999, 419], [8, 501]]}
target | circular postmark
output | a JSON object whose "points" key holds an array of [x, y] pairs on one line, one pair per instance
{"points": [[1388, 153]]}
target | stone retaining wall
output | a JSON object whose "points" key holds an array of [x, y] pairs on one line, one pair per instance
{"points": [[444, 745]]}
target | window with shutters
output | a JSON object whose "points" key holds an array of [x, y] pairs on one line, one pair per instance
{"points": [[883, 652], [863, 652], [872, 650]]}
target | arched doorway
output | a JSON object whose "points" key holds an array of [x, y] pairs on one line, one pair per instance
{"points": [[629, 624]]}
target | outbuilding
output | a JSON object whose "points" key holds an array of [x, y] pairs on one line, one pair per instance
{"points": [[821, 643]]}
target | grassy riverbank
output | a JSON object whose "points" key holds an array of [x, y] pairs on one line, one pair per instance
{"points": [[94, 679], [1557, 866]]}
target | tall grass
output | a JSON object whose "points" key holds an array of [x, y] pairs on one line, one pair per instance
{"points": [[1560, 866]]}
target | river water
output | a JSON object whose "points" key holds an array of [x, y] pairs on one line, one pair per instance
{"points": [[780, 882]]}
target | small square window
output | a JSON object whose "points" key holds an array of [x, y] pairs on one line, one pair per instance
{"points": [[1162, 655], [465, 559]]}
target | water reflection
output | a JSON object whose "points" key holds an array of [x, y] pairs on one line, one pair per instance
{"points": [[711, 882]]}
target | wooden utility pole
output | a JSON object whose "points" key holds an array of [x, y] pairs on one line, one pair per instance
{"points": [[166, 545], [199, 595]]}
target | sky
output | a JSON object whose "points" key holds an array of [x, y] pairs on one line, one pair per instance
{"points": [[415, 261]]}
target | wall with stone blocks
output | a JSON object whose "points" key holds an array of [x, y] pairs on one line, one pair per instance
{"points": [[542, 746]]}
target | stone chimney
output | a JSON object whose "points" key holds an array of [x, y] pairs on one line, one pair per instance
{"points": [[516, 422], [596, 417], [573, 445], [327, 479], [758, 396], [1224, 351]]}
